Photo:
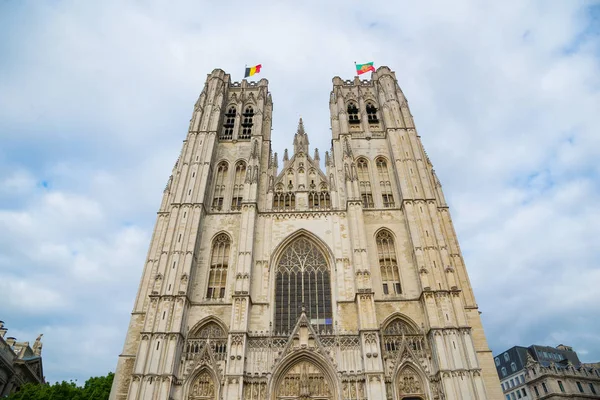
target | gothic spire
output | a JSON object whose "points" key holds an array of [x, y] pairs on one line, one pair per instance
{"points": [[300, 139]]}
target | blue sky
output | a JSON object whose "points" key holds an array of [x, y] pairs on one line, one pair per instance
{"points": [[95, 99]]}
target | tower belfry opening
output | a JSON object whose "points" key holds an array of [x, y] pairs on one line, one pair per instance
{"points": [[280, 281]]}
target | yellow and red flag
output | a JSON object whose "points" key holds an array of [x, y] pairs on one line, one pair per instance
{"points": [[362, 68], [252, 70]]}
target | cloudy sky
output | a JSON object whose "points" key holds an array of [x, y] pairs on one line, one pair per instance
{"points": [[95, 99]]}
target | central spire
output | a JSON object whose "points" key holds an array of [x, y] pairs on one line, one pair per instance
{"points": [[300, 139]]}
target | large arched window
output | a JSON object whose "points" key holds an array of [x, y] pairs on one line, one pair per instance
{"points": [[238, 186], [219, 263], [220, 179], [364, 183], [302, 282], [384, 182], [353, 118], [227, 132], [387, 263], [247, 123]]}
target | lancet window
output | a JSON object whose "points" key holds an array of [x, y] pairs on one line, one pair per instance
{"points": [[238, 186], [302, 283], [219, 263], [384, 182], [388, 264], [319, 200], [364, 183], [371, 113], [247, 123], [219, 192], [227, 132], [353, 118], [284, 201]]}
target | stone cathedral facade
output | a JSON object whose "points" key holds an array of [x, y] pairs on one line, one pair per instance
{"points": [[273, 280]]}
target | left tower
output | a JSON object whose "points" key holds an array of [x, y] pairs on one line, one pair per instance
{"points": [[228, 145]]}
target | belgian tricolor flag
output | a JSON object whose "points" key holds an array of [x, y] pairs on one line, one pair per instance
{"points": [[252, 70]]}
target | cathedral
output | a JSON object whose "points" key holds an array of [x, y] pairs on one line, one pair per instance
{"points": [[276, 279]]}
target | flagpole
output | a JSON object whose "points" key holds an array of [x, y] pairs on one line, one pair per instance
{"points": [[355, 69]]}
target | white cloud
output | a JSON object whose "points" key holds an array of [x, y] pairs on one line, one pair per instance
{"points": [[96, 98]]}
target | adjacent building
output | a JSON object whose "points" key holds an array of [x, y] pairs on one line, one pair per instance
{"points": [[542, 372], [272, 278], [19, 363]]}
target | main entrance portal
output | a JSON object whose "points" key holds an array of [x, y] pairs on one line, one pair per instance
{"points": [[304, 381]]}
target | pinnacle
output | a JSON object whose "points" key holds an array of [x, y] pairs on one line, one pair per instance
{"points": [[301, 128]]}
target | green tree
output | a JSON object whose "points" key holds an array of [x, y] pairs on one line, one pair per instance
{"points": [[95, 388]]}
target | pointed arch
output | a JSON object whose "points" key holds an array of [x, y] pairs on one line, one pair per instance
{"points": [[238, 185], [388, 262], [364, 182], [220, 185], [219, 266], [228, 123], [203, 384], [291, 367], [410, 382], [353, 113], [387, 323], [247, 121], [385, 184], [302, 281], [207, 321], [372, 114], [210, 333]]}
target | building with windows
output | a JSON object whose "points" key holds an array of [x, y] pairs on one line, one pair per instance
{"points": [[274, 278], [542, 372], [19, 363]]}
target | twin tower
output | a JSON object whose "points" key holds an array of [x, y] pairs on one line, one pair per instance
{"points": [[273, 280]]}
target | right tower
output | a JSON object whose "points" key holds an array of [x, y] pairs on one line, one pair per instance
{"points": [[393, 195]]}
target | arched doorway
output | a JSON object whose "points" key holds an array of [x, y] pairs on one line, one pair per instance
{"points": [[203, 387], [304, 381], [409, 385]]}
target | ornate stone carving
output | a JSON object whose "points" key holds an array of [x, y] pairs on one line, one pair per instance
{"points": [[203, 387], [304, 380]]}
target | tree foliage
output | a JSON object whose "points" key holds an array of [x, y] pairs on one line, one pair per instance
{"points": [[95, 388]]}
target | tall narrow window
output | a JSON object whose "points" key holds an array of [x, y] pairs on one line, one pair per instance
{"points": [[219, 262], [238, 186], [560, 385], [220, 179], [302, 282], [388, 263], [384, 183], [247, 123], [364, 183], [318, 200], [353, 114], [227, 132], [372, 113], [284, 201]]}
